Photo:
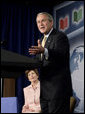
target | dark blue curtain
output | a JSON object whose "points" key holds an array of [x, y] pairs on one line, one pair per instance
{"points": [[18, 28]]}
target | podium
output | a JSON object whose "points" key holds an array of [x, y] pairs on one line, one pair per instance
{"points": [[13, 65]]}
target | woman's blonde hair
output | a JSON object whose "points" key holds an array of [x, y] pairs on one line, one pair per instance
{"points": [[35, 70]]}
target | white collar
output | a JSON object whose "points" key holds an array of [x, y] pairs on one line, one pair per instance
{"points": [[47, 35]]}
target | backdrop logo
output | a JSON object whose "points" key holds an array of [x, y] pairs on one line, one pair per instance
{"points": [[77, 15], [64, 23]]}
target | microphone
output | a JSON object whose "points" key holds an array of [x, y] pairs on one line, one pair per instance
{"points": [[3, 43]]}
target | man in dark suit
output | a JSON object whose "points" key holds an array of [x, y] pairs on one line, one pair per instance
{"points": [[55, 78]]}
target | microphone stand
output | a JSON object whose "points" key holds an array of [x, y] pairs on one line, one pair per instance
{"points": [[3, 43]]}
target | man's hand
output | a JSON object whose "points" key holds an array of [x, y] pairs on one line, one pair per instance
{"points": [[36, 49]]}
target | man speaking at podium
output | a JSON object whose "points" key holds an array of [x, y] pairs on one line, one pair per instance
{"points": [[55, 78]]}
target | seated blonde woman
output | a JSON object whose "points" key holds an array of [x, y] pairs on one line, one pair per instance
{"points": [[32, 93]]}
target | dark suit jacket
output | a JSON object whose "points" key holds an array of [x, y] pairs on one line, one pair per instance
{"points": [[55, 75]]}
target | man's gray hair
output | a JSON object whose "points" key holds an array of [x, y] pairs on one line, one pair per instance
{"points": [[50, 18]]}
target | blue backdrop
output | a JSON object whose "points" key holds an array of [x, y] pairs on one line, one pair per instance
{"points": [[73, 26], [18, 27]]}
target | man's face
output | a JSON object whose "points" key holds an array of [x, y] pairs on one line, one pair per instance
{"points": [[43, 23]]}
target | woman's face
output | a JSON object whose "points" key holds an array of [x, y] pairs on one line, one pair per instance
{"points": [[32, 76]]}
